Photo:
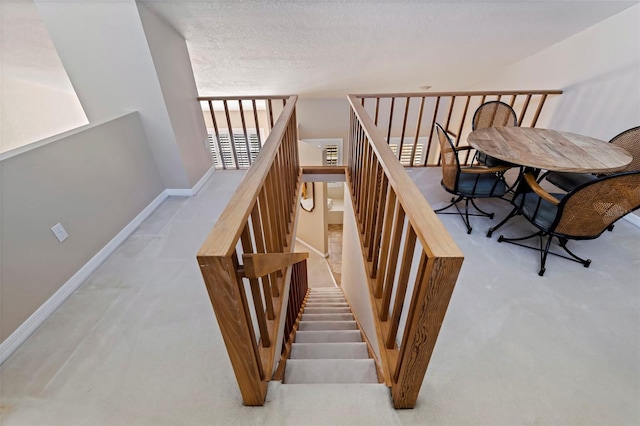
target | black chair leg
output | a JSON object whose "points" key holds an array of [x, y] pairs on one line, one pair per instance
{"points": [[585, 262], [489, 215], [543, 255], [513, 213], [454, 201]]}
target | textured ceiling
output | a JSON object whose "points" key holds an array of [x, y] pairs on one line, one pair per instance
{"points": [[328, 48], [333, 47], [26, 50]]}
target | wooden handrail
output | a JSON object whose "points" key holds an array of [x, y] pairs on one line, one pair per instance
{"points": [[260, 220], [224, 236], [389, 208], [406, 120]]}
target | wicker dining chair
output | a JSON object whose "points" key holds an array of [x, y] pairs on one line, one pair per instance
{"points": [[582, 214], [467, 183], [629, 140], [493, 114]]}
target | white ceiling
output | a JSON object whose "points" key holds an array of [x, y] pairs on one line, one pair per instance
{"points": [[332, 47], [26, 50]]}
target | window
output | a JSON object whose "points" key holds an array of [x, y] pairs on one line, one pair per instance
{"points": [[407, 150], [245, 157]]}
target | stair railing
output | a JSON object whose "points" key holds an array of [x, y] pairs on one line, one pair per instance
{"points": [[407, 120], [397, 227], [257, 227]]}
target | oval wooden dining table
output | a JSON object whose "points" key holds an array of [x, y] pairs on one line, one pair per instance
{"points": [[546, 149]]}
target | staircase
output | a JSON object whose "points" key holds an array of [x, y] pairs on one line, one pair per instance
{"points": [[328, 346]]}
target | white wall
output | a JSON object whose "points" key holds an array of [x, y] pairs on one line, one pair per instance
{"points": [[173, 67], [312, 226], [599, 71], [94, 181], [354, 276], [114, 77], [31, 112]]}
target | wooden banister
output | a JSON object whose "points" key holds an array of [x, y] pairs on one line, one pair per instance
{"points": [[396, 222], [257, 226]]}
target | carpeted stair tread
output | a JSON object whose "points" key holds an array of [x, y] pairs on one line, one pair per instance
{"points": [[330, 371], [343, 350], [326, 305], [327, 317], [326, 336], [327, 310], [327, 325]]}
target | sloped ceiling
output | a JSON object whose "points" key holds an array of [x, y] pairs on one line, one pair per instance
{"points": [[332, 47]]}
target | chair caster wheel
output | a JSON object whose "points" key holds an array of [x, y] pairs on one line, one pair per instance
{"points": [[541, 273], [587, 263], [469, 230], [500, 238], [489, 233], [491, 216]]}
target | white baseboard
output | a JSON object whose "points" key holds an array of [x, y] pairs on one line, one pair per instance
{"points": [[198, 186], [313, 249], [633, 219], [183, 192], [36, 319]]}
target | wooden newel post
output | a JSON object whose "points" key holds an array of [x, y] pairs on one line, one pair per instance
{"points": [[230, 306], [429, 303]]}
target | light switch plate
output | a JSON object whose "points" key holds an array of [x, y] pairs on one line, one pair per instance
{"points": [[59, 231]]}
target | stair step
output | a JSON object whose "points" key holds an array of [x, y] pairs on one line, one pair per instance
{"points": [[327, 310], [327, 299], [344, 350], [321, 289], [327, 317], [330, 371], [327, 325], [328, 336], [326, 305]]}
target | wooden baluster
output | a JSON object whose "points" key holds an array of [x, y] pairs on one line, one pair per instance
{"points": [[446, 126], [215, 129], [513, 100], [431, 130], [231, 138], [464, 117], [244, 130], [270, 110], [269, 226], [524, 110], [372, 207], [255, 119], [404, 127], [415, 140], [390, 209], [393, 99], [401, 288], [393, 262], [375, 120], [538, 110], [256, 222], [374, 249], [366, 181], [247, 247]]}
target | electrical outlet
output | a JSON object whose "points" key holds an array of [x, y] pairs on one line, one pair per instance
{"points": [[59, 231]]}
